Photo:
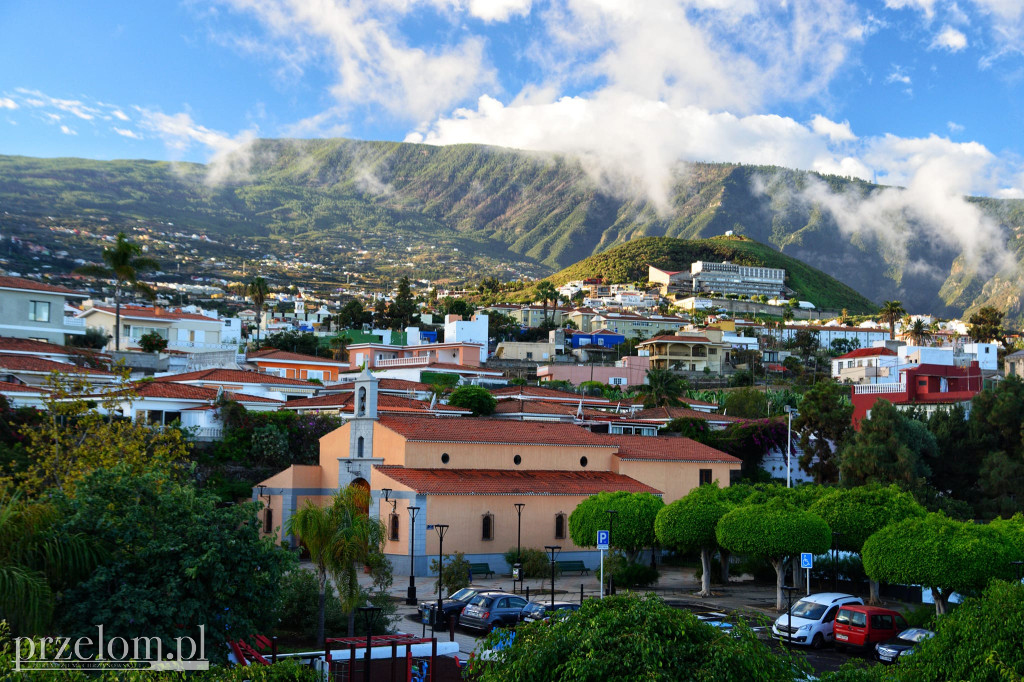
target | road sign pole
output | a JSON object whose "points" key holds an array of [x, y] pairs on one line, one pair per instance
{"points": [[808, 582], [603, 536], [602, 574]]}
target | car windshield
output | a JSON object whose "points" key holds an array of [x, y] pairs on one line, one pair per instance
{"points": [[809, 610], [479, 600], [534, 607], [916, 634], [463, 595]]}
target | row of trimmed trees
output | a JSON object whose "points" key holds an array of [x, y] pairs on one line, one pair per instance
{"points": [[898, 540]]}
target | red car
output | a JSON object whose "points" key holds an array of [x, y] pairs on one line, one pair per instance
{"points": [[860, 627]]}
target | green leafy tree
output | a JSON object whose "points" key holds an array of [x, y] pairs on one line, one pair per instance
{"points": [[475, 398], [304, 343], [689, 523], [892, 312], [775, 531], [633, 637], [633, 527], [402, 311], [996, 446], [339, 538], [987, 325], [919, 332], [940, 553], [663, 387], [450, 305], [175, 557], [455, 575], [823, 426], [37, 561], [123, 263], [502, 327], [889, 448], [746, 402], [855, 514], [258, 290], [380, 314], [353, 315], [152, 342], [956, 466]]}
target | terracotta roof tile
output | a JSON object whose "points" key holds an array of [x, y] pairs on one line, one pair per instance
{"points": [[505, 482], [865, 353], [138, 311], [11, 344], [10, 387], [676, 339], [288, 356], [541, 393], [663, 413], [439, 430], [385, 403], [459, 368], [30, 363], [234, 376], [32, 285], [667, 448], [159, 389], [382, 385]]}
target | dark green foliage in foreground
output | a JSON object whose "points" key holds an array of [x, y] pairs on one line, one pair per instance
{"points": [[633, 638]]}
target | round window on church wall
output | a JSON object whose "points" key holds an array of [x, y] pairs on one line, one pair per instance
{"points": [[444, 458], [518, 460], [583, 461]]}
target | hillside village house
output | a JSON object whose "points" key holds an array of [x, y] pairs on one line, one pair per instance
{"points": [[629, 371], [468, 473], [634, 326], [297, 365], [34, 310], [881, 365], [924, 386], [243, 381], [185, 332], [689, 351]]}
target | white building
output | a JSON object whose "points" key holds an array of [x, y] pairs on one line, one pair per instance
{"points": [[457, 330]]}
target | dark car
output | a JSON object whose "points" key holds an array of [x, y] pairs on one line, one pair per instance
{"points": [[536, 610], [449, 606], [903, 644], [488, 611]]}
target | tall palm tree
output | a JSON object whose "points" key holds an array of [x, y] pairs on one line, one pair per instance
{"points": [[259, 291], [123, 264], [919, 332], [663, 388], [339, 346], [546, 290], [892, 312], [338, 538], [35, 562]]}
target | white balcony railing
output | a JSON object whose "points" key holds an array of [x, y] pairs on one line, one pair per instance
{"points": [[865, 389], [208, 433], [403, 362], [74, 321]]}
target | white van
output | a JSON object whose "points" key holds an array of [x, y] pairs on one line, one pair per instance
{"points": [[810, 621]]}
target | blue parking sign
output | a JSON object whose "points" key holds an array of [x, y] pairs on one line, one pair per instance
{"points": [[602, 539], [806, 560]]}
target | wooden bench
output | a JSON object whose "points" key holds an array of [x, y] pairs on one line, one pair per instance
{"points": [[481, 569], [564, 566]]}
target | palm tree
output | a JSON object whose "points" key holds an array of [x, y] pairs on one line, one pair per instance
{"points": [[919, 332], [663, 387], [892, 311], [338, 538], [124, 264], [339, 346], [36, 562], [546, 290], [259, 291]]}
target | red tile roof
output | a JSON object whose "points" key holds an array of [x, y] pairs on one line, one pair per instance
{"points": [[865, 353], [11, 344], [138, 311], [663, 413], [385, 403], [439, 430], [556, 409], [671, 338], [287, 356], [667, 448], [31, 363], [550, 394], [32, 285], [505, 482], [10, 387], [459, 368], [158, 389], [234, 376], [382, 385]]}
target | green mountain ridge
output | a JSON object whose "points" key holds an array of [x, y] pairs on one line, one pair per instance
{"points": [[506, 212]]}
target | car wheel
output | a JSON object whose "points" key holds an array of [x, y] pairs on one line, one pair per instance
{"points": [[818, 641]]}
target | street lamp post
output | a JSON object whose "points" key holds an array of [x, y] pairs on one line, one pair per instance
{"points": [[441, 529], [612, 513], [789, 589], [519, 539], [368, 614], [553, 550], [410, 597], [789, 445]]}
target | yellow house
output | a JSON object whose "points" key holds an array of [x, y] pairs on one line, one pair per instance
{"points": [[469, 473]]}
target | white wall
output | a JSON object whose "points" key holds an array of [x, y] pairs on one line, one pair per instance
{"points": [[473, 331]]}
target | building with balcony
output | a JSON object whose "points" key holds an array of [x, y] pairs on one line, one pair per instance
{"points": [[635, 326], [34, 310], [730, 278], [184, 332], [296, 365], [688, 352], [927, 387]]}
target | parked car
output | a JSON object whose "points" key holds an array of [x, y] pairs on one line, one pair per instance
{"points": [[450, 606], [491, 610], [536, 610], [903, 644], [861, 627], [810, 621]]}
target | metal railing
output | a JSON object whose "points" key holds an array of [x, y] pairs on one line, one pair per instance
{"points": [[402, 362], [865, 389], [74, 321]]}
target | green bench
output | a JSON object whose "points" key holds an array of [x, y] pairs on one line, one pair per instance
{"points": [[481, 569], [564, 566]]}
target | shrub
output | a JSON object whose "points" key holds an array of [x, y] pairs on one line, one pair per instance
{"points": [[152, 342], [456, 573], [536, 563], [298, 607], [631, 574]]}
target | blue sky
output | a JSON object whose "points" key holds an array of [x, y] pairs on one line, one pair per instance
{"points": [[908, 92]]}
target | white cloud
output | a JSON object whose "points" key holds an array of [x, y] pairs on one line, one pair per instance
{"points": [[498, 10], [67, 131], [837, 132], [927, 7], [120, 115], [125, 132], [954, 127], [231, 156], [949, 39], [8, 103], [898, 76]]}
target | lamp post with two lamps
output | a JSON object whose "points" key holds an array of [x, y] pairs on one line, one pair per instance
{"points": [[441, 529], [368, 615], [789, 589], [789, 445], [553, 550], [410, 597], [519, 541]]}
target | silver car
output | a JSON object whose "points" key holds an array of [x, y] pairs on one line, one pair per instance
{"points": [[488, 611]]}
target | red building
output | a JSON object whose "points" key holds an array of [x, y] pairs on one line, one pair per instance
{"points": [[926, 386]]}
